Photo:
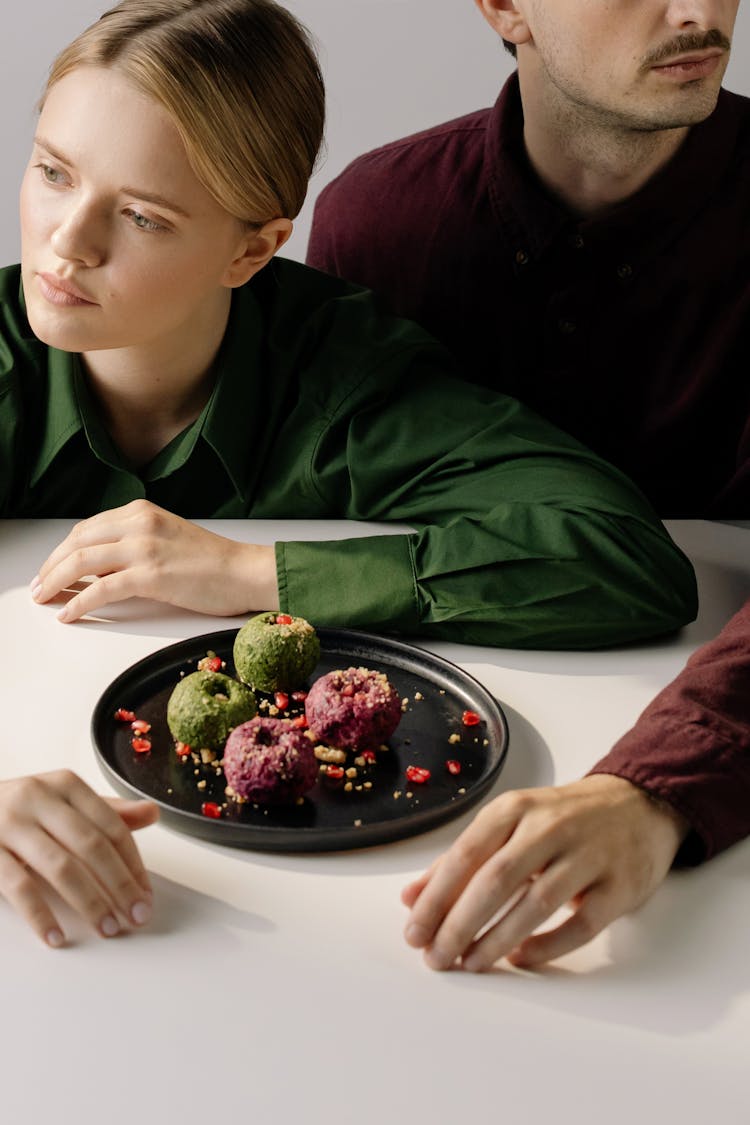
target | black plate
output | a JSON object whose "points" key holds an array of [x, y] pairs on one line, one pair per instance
{"points": [[330, 818]]}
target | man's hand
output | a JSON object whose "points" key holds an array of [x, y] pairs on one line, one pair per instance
{"points": [[600, 844], [141, 550], [54, 829]]}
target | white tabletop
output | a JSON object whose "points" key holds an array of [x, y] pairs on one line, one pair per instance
{"points": [[279, 986]]}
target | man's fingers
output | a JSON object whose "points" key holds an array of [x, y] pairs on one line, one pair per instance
{"points": [[448, 880], [22, 890], [595, 911], [542, 897]]}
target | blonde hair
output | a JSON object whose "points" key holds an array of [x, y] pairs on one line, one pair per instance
{"points": [[239, 78]]}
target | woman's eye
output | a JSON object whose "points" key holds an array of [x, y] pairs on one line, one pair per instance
{"points": [[51, 175], [142, 222]]}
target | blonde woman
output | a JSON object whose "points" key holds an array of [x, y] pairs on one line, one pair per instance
{"points": [[158, 363]]}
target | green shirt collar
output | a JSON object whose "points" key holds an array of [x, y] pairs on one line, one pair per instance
{"points": [[228, 422]]}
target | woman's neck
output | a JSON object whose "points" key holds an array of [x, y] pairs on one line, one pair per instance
{"points": [[149, 393]]}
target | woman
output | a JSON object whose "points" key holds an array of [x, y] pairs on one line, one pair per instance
{"points": [[157, 365]]}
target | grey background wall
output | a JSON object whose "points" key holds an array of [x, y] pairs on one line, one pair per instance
{"points": [[392, 67]]}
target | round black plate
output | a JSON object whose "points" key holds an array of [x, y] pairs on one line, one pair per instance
{"points": [[330, 818]]}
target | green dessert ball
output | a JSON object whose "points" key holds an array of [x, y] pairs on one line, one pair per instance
{"points": [[205, 707], [276, 652]]}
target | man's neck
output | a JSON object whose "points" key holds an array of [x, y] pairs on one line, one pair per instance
{"points": [[591, 164]]}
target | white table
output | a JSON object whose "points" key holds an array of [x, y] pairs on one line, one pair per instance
{"points": [[278, 989]]}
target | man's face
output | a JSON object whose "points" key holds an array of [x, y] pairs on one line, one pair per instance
{"points": [[639, 64]]}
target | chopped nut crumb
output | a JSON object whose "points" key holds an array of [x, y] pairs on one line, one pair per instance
{"points": [[202, 784], [396, 793], [229, 791], [357, 823], [358, 788], [485, 742], [418, 695], [409, 794], [348, 787], [368, 785], [462, 790], [351, 772], [207, 756], [330, 754], [359, 761], [454, 738]]}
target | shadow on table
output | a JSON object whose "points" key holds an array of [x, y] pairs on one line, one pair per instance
{"points": [[529, 763], [675, 966]]}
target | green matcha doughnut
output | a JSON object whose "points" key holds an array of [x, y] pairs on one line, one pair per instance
{"points": [[275, 652], [205, 707]]}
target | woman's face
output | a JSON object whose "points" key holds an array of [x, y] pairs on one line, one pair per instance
{"points": [[122, 246]]}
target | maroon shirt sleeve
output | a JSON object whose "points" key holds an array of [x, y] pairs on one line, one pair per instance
{"points": [[691, 746]]}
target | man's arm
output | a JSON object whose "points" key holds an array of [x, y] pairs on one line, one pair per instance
{"points": [[691, 746], [677, 785]]}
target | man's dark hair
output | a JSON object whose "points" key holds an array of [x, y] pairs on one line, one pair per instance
{"points": [[510, 47]]}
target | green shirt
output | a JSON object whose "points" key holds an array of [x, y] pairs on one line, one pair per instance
{"points": [[324, 408]]}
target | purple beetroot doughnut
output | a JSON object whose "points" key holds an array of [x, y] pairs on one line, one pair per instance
{"points": [[354, 709], [269, 761]]}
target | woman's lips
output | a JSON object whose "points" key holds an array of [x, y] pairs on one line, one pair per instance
{"points": [[690, 69], [62, 293]]}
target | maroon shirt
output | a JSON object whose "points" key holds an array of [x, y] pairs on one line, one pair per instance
{"points": [[631, 330]]}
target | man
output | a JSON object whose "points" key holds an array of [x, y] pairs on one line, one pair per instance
{"points": [[585, 245]]}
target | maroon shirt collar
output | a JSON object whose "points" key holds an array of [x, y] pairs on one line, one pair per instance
{"points": [[533, 219]]}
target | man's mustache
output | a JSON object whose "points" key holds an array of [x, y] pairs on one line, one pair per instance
{"points": [[690, 41]]}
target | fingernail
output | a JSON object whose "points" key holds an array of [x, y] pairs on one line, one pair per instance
{"points": [[472, 964], [416, 935], [36, 588], [63, 614], [438, 959], [109, 926], [55, 938], [140, 913]]}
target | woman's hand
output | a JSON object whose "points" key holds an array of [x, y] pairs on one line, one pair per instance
{"points": [[55, 830], [141, 550], [600, 844]]}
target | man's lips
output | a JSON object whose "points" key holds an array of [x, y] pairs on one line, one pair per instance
{"points": [[59, 291], [697, 64]]}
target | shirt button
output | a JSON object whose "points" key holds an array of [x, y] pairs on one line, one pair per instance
{"points": [[522, 257], [624, 271], [567, 327], [576, 241]]}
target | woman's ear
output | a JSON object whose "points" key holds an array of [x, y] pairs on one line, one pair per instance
{"points": [[257, 247], [507, 18]]}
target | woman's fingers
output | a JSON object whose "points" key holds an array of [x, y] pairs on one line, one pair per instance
{"points": [[134, 814]]}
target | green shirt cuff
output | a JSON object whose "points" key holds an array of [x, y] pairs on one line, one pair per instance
{"points": [[352, 583]]}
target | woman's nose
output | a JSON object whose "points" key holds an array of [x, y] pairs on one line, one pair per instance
{"points": [[78, 237]]}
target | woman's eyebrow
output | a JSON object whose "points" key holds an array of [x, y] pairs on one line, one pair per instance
{"points": [[146, 196]]}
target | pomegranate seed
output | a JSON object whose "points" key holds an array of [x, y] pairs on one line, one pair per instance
{"points": [[281, 699], [140, 726], [210, 664], [299, 696], [470, 718], [335, 772], [417, 774], [141, 745], [453, 767], [347, 689], [369, 755], [182, 749], [124, 716], [300, 722], [283, 619], [211, 810]]}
